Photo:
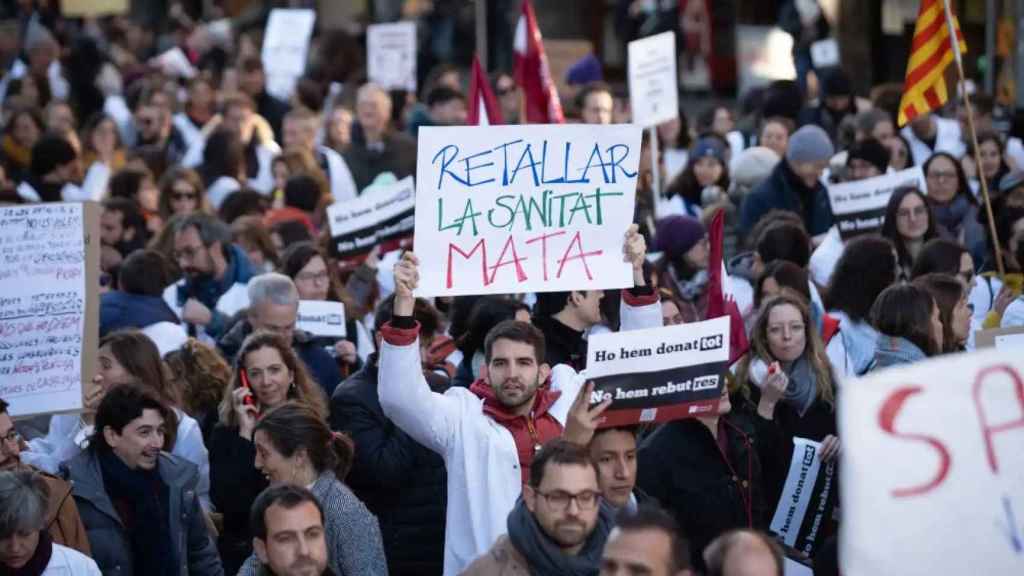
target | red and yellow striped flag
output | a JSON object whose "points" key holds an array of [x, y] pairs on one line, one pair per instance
{"points": [[931, 52]]}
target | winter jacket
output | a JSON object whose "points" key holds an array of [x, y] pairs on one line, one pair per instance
{"points": [[397, 155], [122, 310], [503, 559], [480, 454], [66, 561], [708, 491], [322, 366], [399, 480], [562, 344], [894, 351], [62, 519], [783, 190], [224, 297], [111, 548], [234, 485], [859, 338]]}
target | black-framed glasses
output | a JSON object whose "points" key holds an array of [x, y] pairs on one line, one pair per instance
{"points": [[560, 499]]}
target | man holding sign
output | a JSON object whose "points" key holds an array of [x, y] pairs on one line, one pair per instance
{"points": [[489, 433]]}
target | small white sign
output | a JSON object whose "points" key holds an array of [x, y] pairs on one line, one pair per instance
{"points": [[825, 53], [285, 48], [391, 55], [859, 206], [359, 224], [1010, 341], [322, 318], [653, 88]]}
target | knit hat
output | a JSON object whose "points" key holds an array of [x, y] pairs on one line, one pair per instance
{"points": [[708, 148], [584, 71], [752, 166], [809, 144], [675, 235], [49, 153], [871, 151], [836, 83]]}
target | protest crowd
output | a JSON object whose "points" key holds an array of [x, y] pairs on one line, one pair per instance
{"points": [[466, 432]]}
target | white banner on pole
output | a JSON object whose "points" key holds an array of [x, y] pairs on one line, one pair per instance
{"points": [[653, 87]]}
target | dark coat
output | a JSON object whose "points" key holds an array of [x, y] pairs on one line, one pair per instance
{"points": [[273, 111], [234, 485], [562, 344], [398, 156], [708, 492], [122, 310], [784, 191], [322, 366], [400, 481]]}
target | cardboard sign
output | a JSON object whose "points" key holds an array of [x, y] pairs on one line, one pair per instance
{"points": [[808, 498], [322, 318], [49, 309], [359, 224], [653, 87], [933, 457], [92, 8], [537, 208], [285, 48], [859, 207], [659, 374], [391, 55]]}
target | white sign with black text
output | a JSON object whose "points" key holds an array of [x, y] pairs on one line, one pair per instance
{"points": [[322, 318], [653, 88], [859, 206], [391, 55]]}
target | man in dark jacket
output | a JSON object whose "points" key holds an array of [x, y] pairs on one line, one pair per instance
{"points": [[274, 307], [795, 184], [564, 318], [138, 303], [375, 147], [400, 481]]}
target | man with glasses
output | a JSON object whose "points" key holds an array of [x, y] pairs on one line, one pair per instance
{"points": [[62, 519], [560, 525]]}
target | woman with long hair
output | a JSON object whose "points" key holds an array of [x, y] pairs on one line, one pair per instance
{"points": [[954, 205], [705, 168], [101, 142], [294, 445], [993, 162], [182, 193], [23, 129], [223, 167], [954, 309], [909, 326], [267, 373], [201, 374], [909, 223], [124, 357]]}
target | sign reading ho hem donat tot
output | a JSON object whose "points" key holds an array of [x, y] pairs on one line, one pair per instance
{"points": [[859, 206], [659, 374], [359, 224], [532, 208]]}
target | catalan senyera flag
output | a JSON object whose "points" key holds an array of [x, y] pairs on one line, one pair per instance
{"points": [[931, 52]]}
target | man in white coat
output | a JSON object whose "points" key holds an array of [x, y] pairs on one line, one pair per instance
{"points": [[488, 434]]}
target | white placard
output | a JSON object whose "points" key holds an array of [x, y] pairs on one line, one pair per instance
{"points": [[538, 208], [825, 53], [859, 206], [653, 87], [359, 224], [808, 498], [286, 47], [322, 318], [1010, 341], [932, 468], [794, 568], [44, 297], [391, 55]]}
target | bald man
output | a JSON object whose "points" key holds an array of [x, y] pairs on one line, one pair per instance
{"points": [[376, 148], [744, 553]]}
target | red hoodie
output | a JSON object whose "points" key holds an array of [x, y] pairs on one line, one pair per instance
{"points": [[529, 432]]}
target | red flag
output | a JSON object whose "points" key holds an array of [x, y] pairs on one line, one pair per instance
{"points": [[540, 97], [483, 106], [720, 299]]}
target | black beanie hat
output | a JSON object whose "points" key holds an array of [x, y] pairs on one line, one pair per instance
{"points": [[872, 151]]}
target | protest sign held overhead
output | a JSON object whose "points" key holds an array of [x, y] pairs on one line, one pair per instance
{"points": [[808, 498], [659, 374], [653, 89], [359, 224], [391, 55], [48, 305], [505, 209], [321, 318], [859, 206], [933, 457], [285, 47]]}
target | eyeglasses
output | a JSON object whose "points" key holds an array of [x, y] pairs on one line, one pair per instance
{"points": [[189, 194], [188, 252], [316, 277], [916, 211], [560, 499], [940, 176]]}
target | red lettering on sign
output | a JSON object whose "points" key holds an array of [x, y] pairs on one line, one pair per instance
{"points": [[988, 431], [886, 420]]}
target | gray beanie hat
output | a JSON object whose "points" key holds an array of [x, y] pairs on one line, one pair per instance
{"points": [[809, 144]]}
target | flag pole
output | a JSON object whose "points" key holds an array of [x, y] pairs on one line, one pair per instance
{"points": [[974, 139]]}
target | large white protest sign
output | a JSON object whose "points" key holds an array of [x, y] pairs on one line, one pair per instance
{"points": [[285, 48], [808, 498], [653, 89], [321, 318], [932, 475], [859, 206], [659, 374], [359, 224], [48, 305], [391, 55], [538, 208]]}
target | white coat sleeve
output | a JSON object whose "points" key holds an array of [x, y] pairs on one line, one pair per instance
{"points": [[58, 446], [189, 445]]}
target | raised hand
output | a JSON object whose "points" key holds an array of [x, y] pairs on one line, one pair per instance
{"points": [[634, 251], [774, 387], [583, 420], [407, 278]]}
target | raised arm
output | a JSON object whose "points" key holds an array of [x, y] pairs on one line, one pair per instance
{"points": [[639, 308]]}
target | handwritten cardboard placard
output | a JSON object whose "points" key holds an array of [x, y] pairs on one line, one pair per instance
{"points": [[359, 224], [537, 208], [659, 374], [653, 88], [933, 457], [859, 206], [391, 55], [49, 266], [808, 498], [285, 48], [322, 318]]}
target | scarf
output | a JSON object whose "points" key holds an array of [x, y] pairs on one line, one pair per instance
{"points": [[951, 216], [545, 557], [16, 154], [691, 290], [145, 501], [37, 564]]}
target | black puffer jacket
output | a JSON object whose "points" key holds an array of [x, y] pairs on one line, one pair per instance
{"points": [[708, 492], [401, 482]]}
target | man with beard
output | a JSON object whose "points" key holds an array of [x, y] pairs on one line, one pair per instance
{"points": [[216, 273], [560, 524], [488, 434], [288, 532], [122, 226]]}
